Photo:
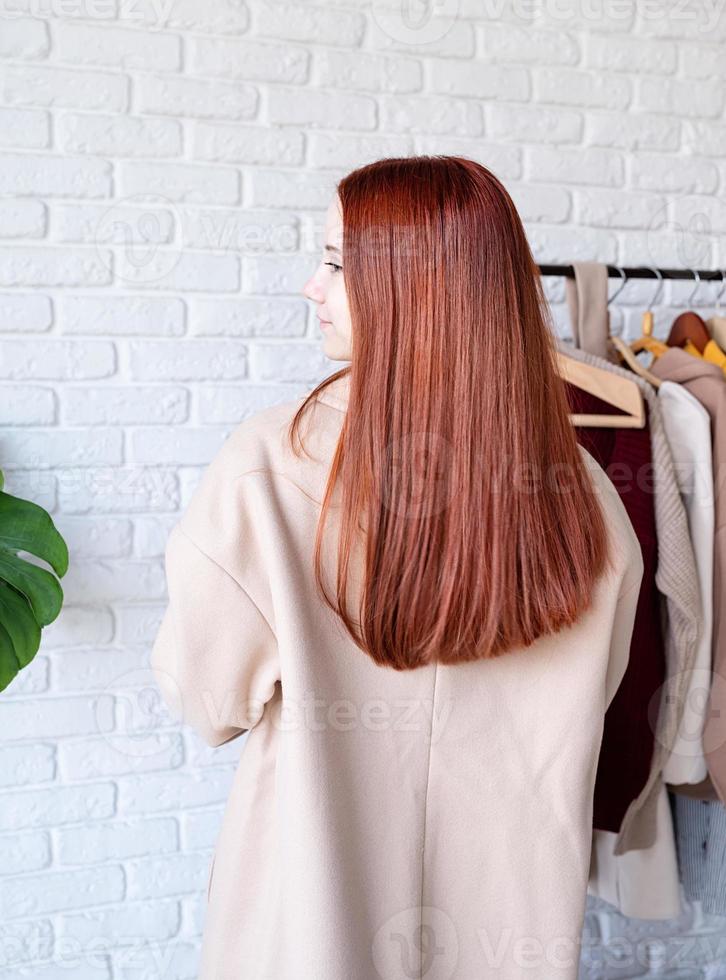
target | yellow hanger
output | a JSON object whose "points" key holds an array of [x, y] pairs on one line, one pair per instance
{"points": [[632, 361], [647, 341]]}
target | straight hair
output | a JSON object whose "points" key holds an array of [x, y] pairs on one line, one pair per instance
{"points": [[460, 478]]}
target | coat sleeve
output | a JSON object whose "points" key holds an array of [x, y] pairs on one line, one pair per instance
{"points": [[622, 631], [215, 656]]}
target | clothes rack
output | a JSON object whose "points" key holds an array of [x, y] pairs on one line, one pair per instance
{"points": [[640, 272], [664, 839]]}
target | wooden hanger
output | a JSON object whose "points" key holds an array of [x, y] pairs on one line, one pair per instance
{"points": [[689, 327], [647, 341], [619, 392], [633, 363]]}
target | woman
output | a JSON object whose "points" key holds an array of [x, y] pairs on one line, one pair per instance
{"points": [[416, 592]]}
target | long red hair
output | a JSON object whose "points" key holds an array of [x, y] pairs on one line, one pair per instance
{"points": [[458, 468]]}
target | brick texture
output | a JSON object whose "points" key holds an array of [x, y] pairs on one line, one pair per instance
{"points": [[161, 165]]}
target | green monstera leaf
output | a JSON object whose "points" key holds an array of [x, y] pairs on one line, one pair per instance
{"points": [[30, 596]]}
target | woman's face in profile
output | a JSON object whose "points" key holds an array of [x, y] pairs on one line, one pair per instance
{"points": [[326, 288]]}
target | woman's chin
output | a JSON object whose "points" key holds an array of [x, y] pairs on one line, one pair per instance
{"points": [[335, 349]]}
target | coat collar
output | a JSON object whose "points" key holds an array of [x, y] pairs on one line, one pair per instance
{"points": [[336, 393]]}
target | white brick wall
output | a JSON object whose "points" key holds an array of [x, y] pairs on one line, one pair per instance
{"points": [[165, 166]]}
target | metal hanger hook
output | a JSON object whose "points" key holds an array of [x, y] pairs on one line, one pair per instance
{"points": [[658, 288], [621, 287], [723, 287], [698, 283]]}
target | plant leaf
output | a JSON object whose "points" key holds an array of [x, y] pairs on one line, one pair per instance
{"points": [[24, 526], [9, 665], [17, 618], [30, 596], [40, 587]]}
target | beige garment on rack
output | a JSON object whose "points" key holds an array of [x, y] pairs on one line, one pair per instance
{"points": [[587, 299], [707, 383], [688, 427], [642, 884]]}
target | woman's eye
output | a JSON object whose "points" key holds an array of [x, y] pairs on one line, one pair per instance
{"points": [[336, 268]]}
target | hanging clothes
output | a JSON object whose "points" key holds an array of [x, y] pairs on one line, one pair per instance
{"points": [[716, 326], [711, 352], [637, 869], [700, 814], [643, 883], [628, 739], [587, 300], [627, 748], [707, 383], [701, 843], [676, 575], [688, 428]]}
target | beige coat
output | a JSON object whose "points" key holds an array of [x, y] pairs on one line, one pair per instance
{"points": [[432, 824]]}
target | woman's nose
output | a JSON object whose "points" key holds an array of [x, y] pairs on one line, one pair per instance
{"points": [[312, 290]]}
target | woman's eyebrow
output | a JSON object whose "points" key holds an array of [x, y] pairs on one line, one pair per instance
{"points": [[333, 248]]}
